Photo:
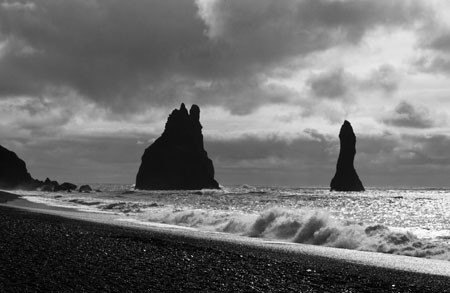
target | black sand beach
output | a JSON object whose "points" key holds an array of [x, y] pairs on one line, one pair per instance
{"points": [[45, 253]]}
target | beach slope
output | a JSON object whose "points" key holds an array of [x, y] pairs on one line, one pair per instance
{"points": [[42, 252]]}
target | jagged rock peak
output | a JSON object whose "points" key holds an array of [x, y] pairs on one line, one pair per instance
{"points": [[346, 178], [194, 113], [181, 123], [183, 107], [177, 159]]}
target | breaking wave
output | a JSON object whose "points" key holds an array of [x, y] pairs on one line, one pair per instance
{"points": [[310, 227], [288, 215]]}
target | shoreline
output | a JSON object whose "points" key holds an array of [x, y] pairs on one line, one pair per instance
{"points": [[383, 260], [201, 262]]}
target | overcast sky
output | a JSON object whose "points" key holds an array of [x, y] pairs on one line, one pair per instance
{"points": [[87, 85]]}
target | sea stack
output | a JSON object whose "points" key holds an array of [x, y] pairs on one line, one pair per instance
{"points": [[346, 178], [177, 160]]}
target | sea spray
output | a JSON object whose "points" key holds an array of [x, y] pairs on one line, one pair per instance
{"points": [[406, 222], [308, 227]]}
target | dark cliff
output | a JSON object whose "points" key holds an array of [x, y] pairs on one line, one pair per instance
{"points": [[177, 160], [13, 171], [14, 175], [346, 178]]}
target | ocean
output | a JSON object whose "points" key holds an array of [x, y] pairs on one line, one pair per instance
{"points": [[412, 222]]}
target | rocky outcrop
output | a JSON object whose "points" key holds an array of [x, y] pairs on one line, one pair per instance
{"points": [[346, 178], [85, 189], [54, 186], [67, 186], [14, 175], [177, 160], [49, 185], [13, 171]]}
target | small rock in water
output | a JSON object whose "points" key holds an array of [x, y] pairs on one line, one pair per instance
{"points": [[85, 188], [66, 186]]}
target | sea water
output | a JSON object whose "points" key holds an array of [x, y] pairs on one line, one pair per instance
{"points": [[413, 222]]}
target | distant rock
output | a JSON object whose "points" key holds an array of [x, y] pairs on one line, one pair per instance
{"points": [[85, 188], [346, 178], [67, 186], [50, 182], [53, 186], [177, 159], [14, 175]]}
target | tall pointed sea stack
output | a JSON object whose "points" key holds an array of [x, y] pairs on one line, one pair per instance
{"points": [[346, 178], [177, 160]]}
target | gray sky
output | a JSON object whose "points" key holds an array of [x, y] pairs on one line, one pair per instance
{"points": [[87, 85]]}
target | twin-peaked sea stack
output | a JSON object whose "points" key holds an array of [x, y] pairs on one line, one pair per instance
{"points": [[177, 160], [346, 178]]}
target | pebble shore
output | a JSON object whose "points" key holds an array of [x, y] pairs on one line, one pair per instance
{"points": [[45, 253]]}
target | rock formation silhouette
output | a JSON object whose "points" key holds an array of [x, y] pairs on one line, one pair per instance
{"points": [[13, 171], [346, 178], [85, 189], [14, 175], [177, 160]]}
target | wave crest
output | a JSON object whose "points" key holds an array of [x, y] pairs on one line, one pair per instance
{"points": [[311, 227]]}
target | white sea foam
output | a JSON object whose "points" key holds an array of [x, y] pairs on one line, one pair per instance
{"points": [[308, 227], [406, 222]]}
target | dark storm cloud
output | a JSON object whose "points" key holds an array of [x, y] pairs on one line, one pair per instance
{"points": [[441, 42], [267, 30], [407, 115], [434, 149], [273, 160], [385, 78], [338, 84], [405, 160], [255, 148], [105, 50], [333, 84], [433, 63], [126, 53], [240, 95], [435, 44]]}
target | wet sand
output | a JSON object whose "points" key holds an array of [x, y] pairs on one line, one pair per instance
{"points": [[48, 253]]}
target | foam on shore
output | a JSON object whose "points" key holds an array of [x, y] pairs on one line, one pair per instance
{"points": [[399, 262], [301, 225]]}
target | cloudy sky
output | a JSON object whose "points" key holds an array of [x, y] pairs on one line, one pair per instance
{"points": [[86, 86]]}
